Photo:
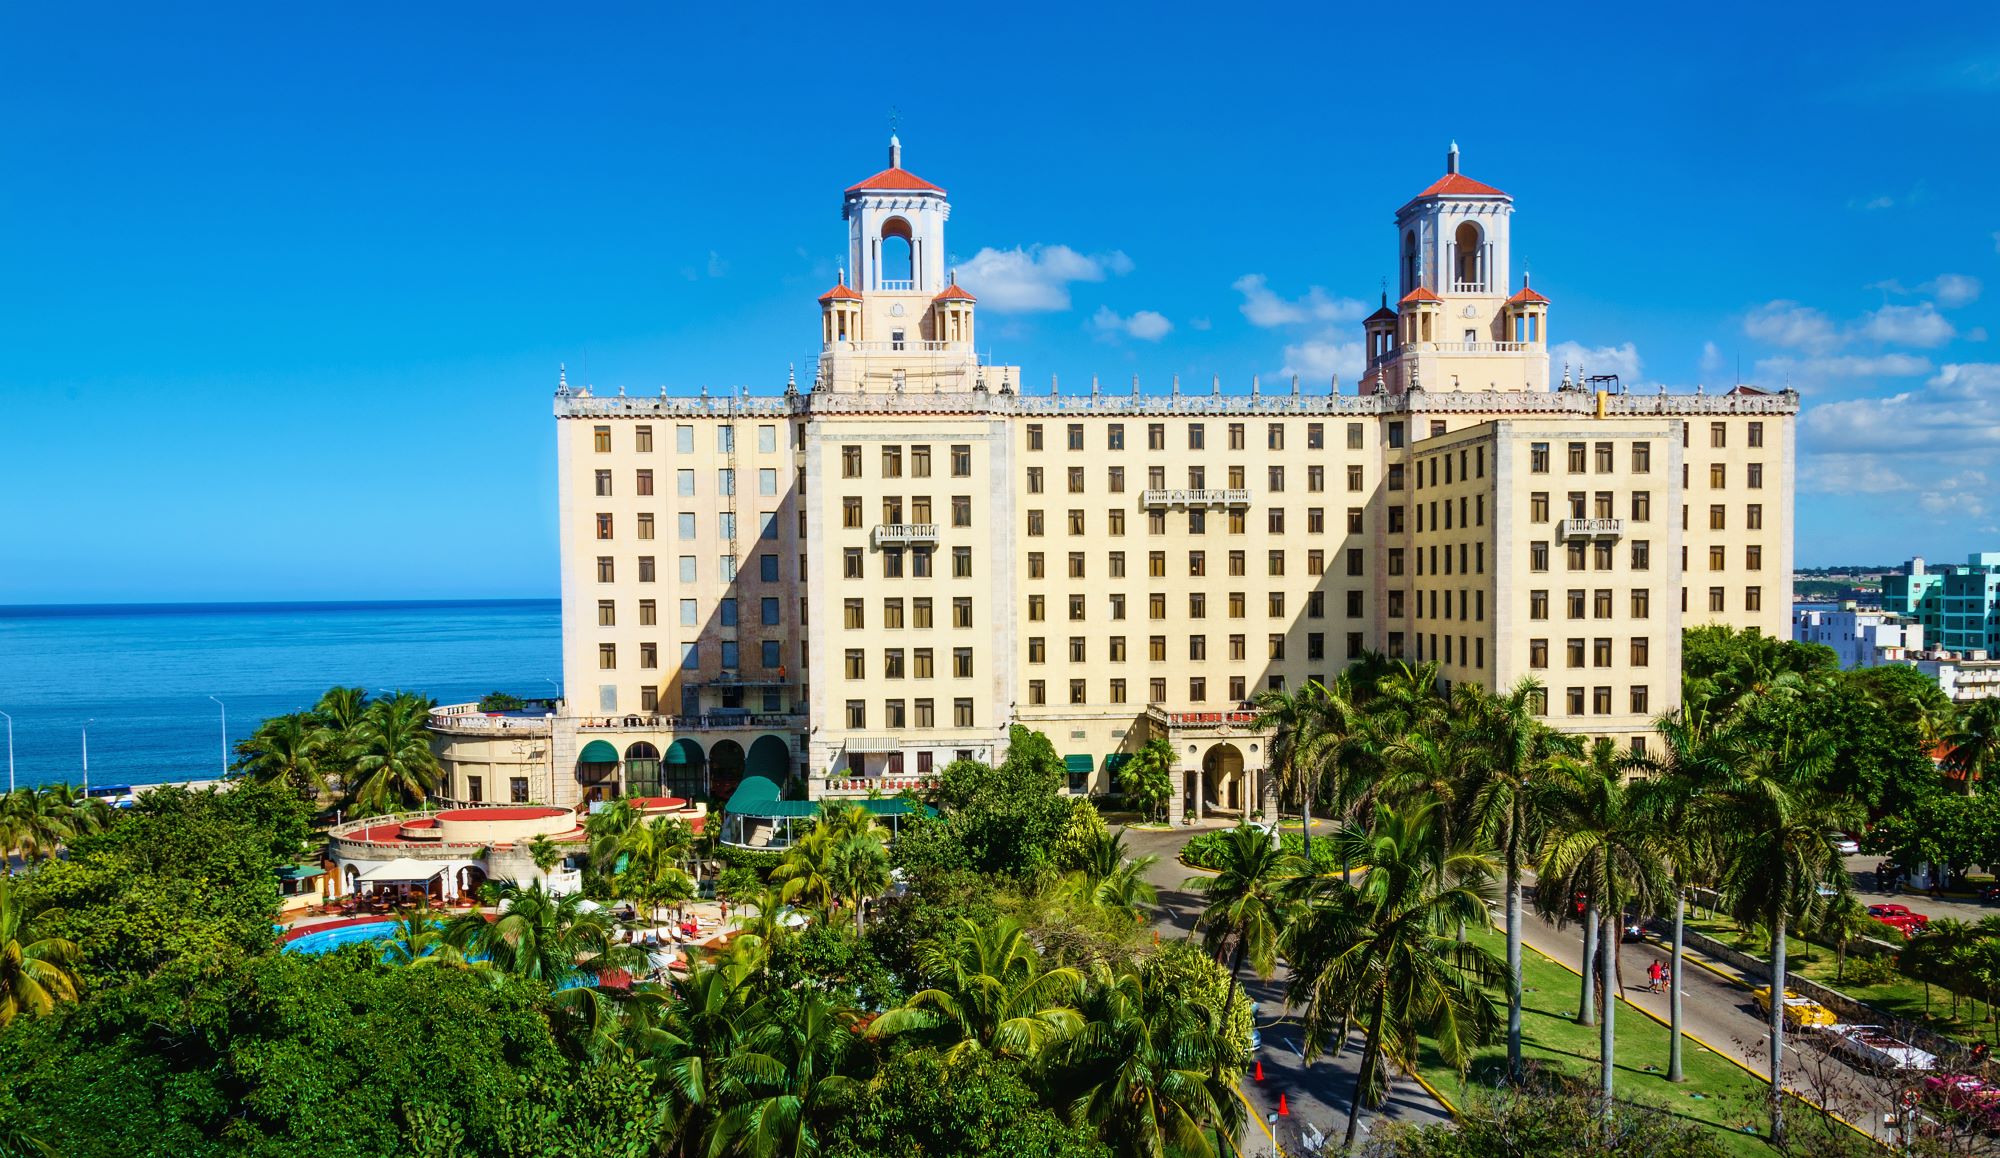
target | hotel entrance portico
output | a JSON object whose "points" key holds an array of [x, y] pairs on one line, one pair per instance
{"points": [[1219, 764]]}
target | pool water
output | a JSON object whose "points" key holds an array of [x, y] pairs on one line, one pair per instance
{"points": [[327, 940]]}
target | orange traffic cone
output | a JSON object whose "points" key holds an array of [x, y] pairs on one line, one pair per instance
{"points": [[1260, 1070], [1156, 936], [1282, 1111]]}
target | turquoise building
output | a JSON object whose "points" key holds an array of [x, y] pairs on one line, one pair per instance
{"points": [[1958, 604]]}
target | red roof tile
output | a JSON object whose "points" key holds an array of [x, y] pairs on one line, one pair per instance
{"points": [[1459, 185], [954, 294], [1750, 390], [1524, 294], [1420, 294], [842, 291], [895, 179]]}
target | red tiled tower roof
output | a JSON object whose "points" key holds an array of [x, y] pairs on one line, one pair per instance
{"points": [[1420, 294], [894, 178], [1524, 294], [842, 292], [1459, 185], [952, 293]]}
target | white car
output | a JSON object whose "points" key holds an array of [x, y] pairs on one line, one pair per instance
{"points": [[1873, 1048], [1843, 844]]}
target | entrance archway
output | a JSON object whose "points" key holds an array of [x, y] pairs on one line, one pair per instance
{"points": [[725, 768], [771, 758], [685, 769], [1222, 778]]}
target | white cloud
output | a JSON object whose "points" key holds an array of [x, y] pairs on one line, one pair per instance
{"points": [[1996, 241], [1773, 372], [1266, 309], [1036, 278], [1319, 359], [1963, 495], [1200, 324], [1958, 410], [1789, 324], [1851, 474], [1953, 290], [1593, 360], [716, 266], [1918, 325], [1712, 364], [1883, 202], [1146, 325]]}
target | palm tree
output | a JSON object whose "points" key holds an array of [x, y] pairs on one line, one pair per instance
{"points": [[1515, 748], [1601, 840], [703, 1025], [285, 750], [784, 1080], [1292, 718], [1111, 880], [338, 715], [1384, 951], [1972, 750], [1692, 761], [1844, 922], [1150, 1070], [547, 938], [37, 972], [989, 990], [1776, 820], [857, 866], [607, 832], [393, 761], [34, 823], [1147, 778], [1249, 905], [546, 853]]}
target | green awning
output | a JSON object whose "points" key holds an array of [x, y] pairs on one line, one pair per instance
{"points": [[597, 752], [300, 872], [1117, 760], [757, 796], [1079, 764]]}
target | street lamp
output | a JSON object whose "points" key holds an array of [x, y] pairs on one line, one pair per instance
{"points": [[225, 736], [86, 754], [10, 751]]}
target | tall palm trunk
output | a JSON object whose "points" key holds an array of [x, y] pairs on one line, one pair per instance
{"points": [[1514, 948], [1606, 1036], [1586, 1009], [1778, 1015], [1306, 826], [1229, 1002], [1369, 1050], [1674, 992]]}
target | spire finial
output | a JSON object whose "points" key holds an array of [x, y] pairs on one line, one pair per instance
{"points": [[791, 378], [1256, 387], [562, 375], [843, 274], [1451, 159], [895, 144], [1215, 385], [1385, 293]]}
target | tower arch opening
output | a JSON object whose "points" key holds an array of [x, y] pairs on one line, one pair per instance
{"points": [[1468, 258], [1409, 260], [896, 256]]}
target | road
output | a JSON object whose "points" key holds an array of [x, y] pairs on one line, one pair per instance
{"points": [[1317, 1093]]}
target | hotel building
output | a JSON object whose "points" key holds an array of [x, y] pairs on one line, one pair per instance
{"points": [[848, 584]]}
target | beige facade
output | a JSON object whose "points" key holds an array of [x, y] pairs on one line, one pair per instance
{"points": [[854, 582]]}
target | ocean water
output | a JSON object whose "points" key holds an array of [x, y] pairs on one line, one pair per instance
{"points": [[142, 674]]}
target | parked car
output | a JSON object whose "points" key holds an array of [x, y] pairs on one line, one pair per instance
{"points": [[1872, 1047], [1800, 1012], [1990, 892], [1843, 844], [1900, 917], [1965, 1094], [1635, 930]]}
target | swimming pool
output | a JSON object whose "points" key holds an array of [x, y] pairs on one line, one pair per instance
{"points": [[327, 940]]}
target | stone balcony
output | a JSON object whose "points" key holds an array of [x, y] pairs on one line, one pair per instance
{"points": [[1204, 497], [1590, 529], [1239, 719], [892, 533]]}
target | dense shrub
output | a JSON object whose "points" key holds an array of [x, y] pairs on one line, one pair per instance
{"points": [[1206, 850]]}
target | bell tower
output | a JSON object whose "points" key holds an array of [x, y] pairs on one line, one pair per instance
{"points": [[895, 231], [1452, 237]]}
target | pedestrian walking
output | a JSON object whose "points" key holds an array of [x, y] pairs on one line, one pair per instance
{"points": [[1653, 973]]}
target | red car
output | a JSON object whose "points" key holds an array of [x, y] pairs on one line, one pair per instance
{"points": [[1965, 1094], [1901, 918]]}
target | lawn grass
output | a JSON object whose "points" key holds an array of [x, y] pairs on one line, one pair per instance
{"points": [[1898, 997], [1717, 1093]]}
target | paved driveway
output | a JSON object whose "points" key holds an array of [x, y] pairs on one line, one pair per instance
{"points": [[1317, 1093]]}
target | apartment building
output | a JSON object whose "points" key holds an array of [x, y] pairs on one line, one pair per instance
{"points": [[850, 583], [1957, 604]]}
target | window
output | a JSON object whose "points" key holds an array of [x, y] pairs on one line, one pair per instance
{"points": [[961, 562], [961, 461], [1753, 599], [920, 562], [1718, 434], [1600, 653], [1197, 605], [1718, 475], [1197, 690], [1600, 701], [1275, 478], [1575, 698], [1574, 602], [1538, 507], [1034, 436], [856, 664], [961, 611], [1354, 561], [607, 655], [921, 664], [1274, 436], [892, 613], [601, 438], [1538, 605], [1603, 457], [1538, 458], [604, 483], [1755, 476], [961, 663], [1034, 523], [1197, 437], [1274, 520], [607, 613], [1354, 478], [1037, 608], [1316, 478], [1075, 522], [1715, 599], [1355, 435], [1114, 436], [1576, 457], [1197, 647], [1156, 648], [1076, 480], [1276, 563], [1034, 480], [850, 559], [1574, 648], [1038, 649], [604, 526], [604, 569], [1642, 554], [961, 713], [1756, 432], [1753, 516], [1538, 556], [1641, 603], [642, 439], [920, 462], [1538, 653], [1156, 690]]}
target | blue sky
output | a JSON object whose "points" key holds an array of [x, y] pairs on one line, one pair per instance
{"points": [[287, 285]]}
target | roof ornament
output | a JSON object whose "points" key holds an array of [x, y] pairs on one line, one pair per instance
{"points": [[1415, 383], [704, 391], [1177, 386], [621, 392], [1135, 385], [1451, 159], [1216, 388], [1006, 381], [1295, 385], [1055, 388], [1565, 381], [791, 379], [1381, 385], [895, 145], [1256, 387], [562, 379], [979, 381]]}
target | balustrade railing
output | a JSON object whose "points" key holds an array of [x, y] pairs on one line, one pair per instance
{"points": [[1205, 497], [1590, 528], [906, 533]]}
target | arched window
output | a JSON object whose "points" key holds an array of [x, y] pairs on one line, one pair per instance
{"points": [[1468, 259], [642, 770], [1409, 261], [896, 257]]}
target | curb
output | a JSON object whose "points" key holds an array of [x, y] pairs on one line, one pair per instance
{"points": [[1237, 1085]]}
